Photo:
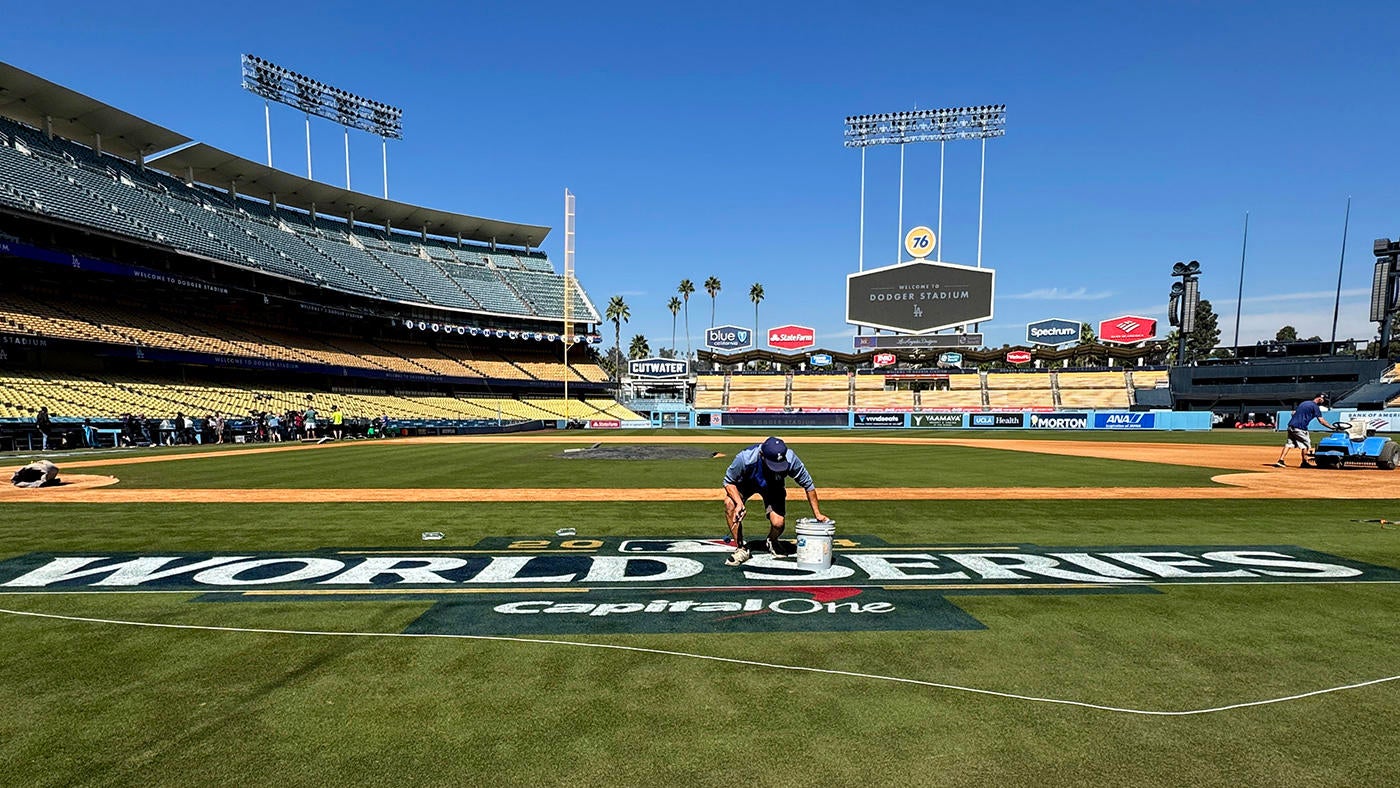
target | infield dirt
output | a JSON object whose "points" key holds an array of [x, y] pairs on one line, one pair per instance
{"points": [[1254, 477]]}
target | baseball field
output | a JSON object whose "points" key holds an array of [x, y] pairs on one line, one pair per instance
{"points": [[1002, 609]]}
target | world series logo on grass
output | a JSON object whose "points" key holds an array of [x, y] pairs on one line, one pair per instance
{"points": [[561, 586]]}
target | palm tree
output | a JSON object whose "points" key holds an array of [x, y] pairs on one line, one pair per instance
{"points": [[675, 306], [712, 286], [755, 295], [685, 289], [618, 313], [639, 347]]}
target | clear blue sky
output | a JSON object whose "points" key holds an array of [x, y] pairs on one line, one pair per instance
{"points": [[705, 139]]}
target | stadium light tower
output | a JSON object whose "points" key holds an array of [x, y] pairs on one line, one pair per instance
{"points": [[284, 86], [1181, 306], [925, 125]]}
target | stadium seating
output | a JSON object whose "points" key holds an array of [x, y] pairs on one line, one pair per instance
{"points": [[954, 399], [109, 397], [1149, 378], [134, 325], [758, 391], [63, 180], [1018, 390], [709, 391], [885, 399], [1093, 389]]}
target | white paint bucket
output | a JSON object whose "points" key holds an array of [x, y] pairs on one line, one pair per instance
{"points": [[814, 544]]}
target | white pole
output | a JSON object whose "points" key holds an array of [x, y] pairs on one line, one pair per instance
{"points": [[981, 194], [267, 123], [347, 158], [942, 145], [899, 236], [308, 146], [384, 153], [861, 254]]}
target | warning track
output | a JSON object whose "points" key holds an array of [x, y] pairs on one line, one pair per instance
{"points": [[1252, 478]]}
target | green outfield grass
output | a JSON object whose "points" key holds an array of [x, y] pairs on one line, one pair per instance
{"points": [[410, 464], [100, 704]]}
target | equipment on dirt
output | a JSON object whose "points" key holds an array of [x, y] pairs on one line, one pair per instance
{"points": [[1356, 443]]}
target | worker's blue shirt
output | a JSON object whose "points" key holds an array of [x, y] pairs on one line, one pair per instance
{"points": [[748, 469], [1303, 416]]}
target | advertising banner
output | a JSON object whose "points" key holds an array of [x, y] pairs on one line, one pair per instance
{"points": [[873, 342], [997, 420], [728, 338], [1125, 421], [936, 420], [604, 424], [882, 359], [1058, 421], [1378, 420], [643, 584], [1127, 330], [658, 368], [1053, 331], [879, 419], [792, 337], [821, 359], [919, 297], [733, 419], [1018, 357]]}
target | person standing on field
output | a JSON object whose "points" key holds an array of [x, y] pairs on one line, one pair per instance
{"points": [[1298, 436], [44, 424]]}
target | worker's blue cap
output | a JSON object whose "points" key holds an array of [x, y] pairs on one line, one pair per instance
{"points": [[774, 453]]}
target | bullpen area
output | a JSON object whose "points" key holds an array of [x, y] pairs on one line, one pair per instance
{"points": [[1003, 608]]}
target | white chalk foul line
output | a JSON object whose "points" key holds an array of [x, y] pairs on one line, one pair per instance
{"points": [[711, 658]]}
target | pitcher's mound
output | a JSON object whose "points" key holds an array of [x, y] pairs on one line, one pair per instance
{"points": [[640, 452], [66, 482]]}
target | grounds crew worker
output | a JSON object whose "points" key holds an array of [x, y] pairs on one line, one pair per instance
{"points": [[763, 468], [1303, 415]]}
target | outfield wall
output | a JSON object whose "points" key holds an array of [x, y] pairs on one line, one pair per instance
{"points": [[1053, 421]]}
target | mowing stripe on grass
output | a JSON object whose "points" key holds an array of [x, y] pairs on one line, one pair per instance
{"points": [[712, 658]]}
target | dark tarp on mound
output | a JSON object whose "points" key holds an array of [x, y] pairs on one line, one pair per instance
{"points": [[36, 474]]}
